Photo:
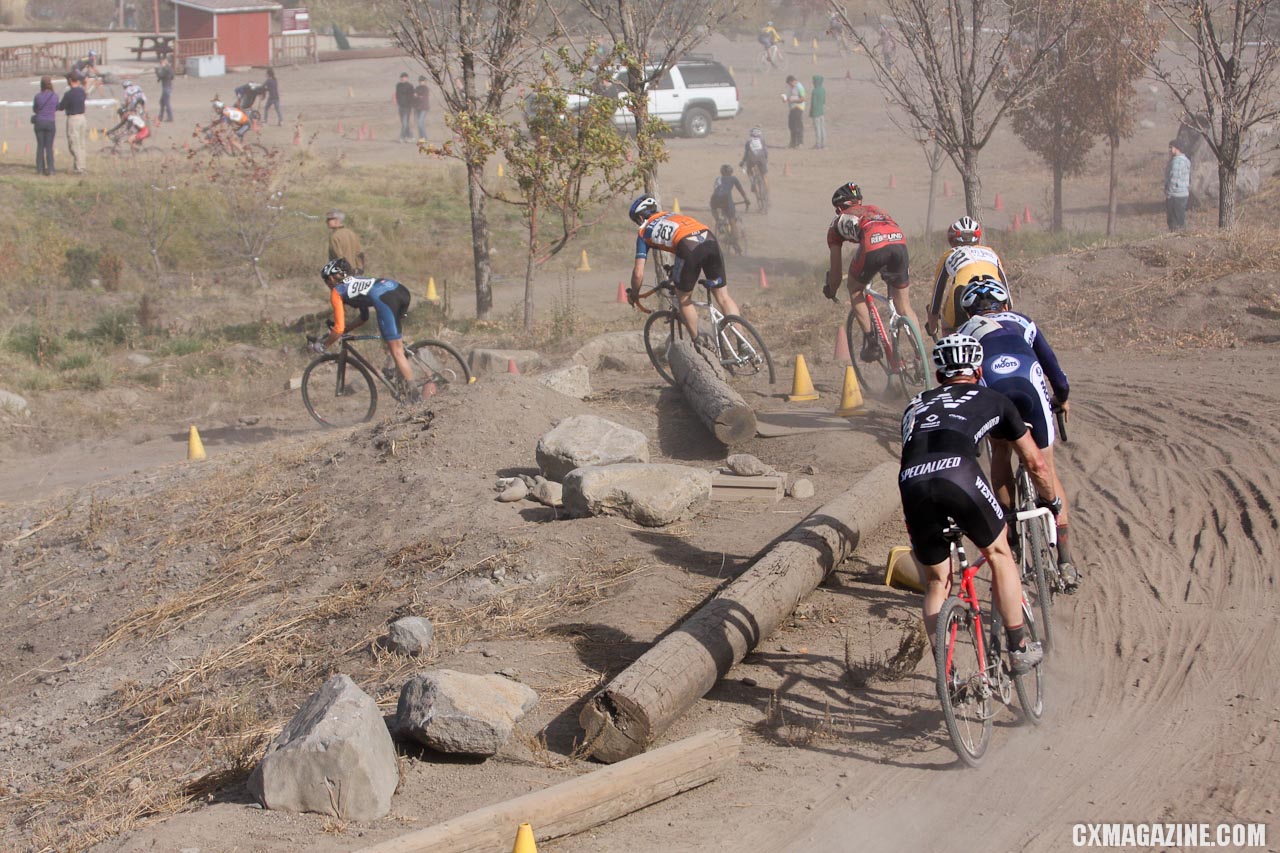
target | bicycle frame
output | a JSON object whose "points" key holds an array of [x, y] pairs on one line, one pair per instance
{"points": [[349, 351], [968, 593], [869, 297]]}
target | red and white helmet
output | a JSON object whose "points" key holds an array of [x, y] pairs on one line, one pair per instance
{"points": [[965, 231]]}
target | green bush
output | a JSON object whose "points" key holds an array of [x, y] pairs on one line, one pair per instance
{"points": [[36, 343], [81, 266], [115, 328], [76, 361]]}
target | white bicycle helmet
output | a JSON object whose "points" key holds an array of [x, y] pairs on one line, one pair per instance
{"points": [[956, 354], [847, 226], [218, 105], [965, 231], [985, 293]]}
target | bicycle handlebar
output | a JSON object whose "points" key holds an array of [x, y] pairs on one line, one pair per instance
{"points": [[1061, 418]]}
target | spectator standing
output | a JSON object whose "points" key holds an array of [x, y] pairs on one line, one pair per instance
{"points": [[421, 103], [1177, 187], [343, 242], [165, 75], [44, 115], [405, 101], [72, 104], [888, 48], [795, 100], [273, 98], [818, 111]]}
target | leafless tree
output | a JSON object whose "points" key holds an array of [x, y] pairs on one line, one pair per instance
{"points": [[956, 77], [1224, 78], [474, 50]]}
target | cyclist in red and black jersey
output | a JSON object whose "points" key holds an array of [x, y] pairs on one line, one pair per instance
{"points": [[879, 247], [697, 254], [940, 478]]}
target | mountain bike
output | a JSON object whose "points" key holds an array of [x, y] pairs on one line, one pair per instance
{"points": [[971, 671], [1037, 540], [901, 354], [121, 147], [738, 346], [731, 232], [218, 139], [339, 388], [773, 57], [759, 189]]}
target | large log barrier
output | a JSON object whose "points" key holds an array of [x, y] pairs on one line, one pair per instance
{"points": [[633, 710], [717, 405]]}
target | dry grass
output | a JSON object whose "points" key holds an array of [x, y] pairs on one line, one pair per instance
{"points": [[881, 668], [794, 729]]}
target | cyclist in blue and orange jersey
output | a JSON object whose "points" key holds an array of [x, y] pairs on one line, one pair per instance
{"points": [[388, 298], [965, 261], [237, 118], [1019, 363], [879, 247], [697, 254], [940, 479]]}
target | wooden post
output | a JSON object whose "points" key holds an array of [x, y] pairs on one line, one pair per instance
{"points": [[581, 803], [702, 381], [634, 709]]}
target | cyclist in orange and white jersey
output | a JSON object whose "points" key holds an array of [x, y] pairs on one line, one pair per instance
{"points": [[965, 262], [697, 254]]}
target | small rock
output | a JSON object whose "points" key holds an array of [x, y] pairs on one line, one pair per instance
{"points": [[513, 674], [517, 491], [409, 635], [572, 381], [548, 493], [135, 783], [810, 469], [746, 465], [498, 574], [293, 383], [750, 682], [137, 359], [531, 482], [802, 490], [486, 653], [588, 440], [459, 713], [14, 403]]}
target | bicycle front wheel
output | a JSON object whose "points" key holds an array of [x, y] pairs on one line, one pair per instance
{"points": [[742, 350], [874, 376], [1037, 556], [962, 686], [440, 367], [1030, 686], [338, 392], [739, 237], [657, 345], [908, 352]]}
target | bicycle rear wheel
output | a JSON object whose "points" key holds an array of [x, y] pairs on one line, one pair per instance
{"points": [[908, 351], [1037, 556], [739, 237], [338, 392], [869, 372], [742, 350], [761, 191], [440, 367], [659, 347], [962, 688], [1030, 686]]}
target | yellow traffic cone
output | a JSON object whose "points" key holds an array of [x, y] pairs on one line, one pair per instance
{"points": [[850, 395], [795, 41], [4, 147], [432, 296], [524, 840], [583, 266], [499, 170], [675, 205], [815, 45], [815, 58], [900, 569], [350, 92], [195, 447], [802, 386]]}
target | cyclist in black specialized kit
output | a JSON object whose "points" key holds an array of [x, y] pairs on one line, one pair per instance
{"points": [[942, 430]]}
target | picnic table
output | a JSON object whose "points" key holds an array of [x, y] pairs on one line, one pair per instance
{"points": [[158, 46]]}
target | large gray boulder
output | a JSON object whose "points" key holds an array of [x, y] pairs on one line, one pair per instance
{"points": [[614, 344], [452, 711], [652, 495], [488, 361], [14, 403], [335, 757], [588, 440], [572, 381]]}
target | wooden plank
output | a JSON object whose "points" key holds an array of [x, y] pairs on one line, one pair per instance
{"points": [[730, 487], [581, 803]]}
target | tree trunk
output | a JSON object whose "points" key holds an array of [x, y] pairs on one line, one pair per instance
{"points": [[720, 408], [529, 268], [262, 282], [634, 709], [1226, 195], [935, 166], [479, 240], [1056, 225], [972, 183], [1113, 180], [155, 257]]}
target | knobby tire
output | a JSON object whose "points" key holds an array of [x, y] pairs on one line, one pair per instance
{"points": [[866, 370], [1030, 686], [658, 350], [1037, 557], [913, 365], [730, 345], [338, 391], [437, 362], [960, 686]]}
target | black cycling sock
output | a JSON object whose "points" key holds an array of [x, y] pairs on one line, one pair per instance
{"points": [[1064, 550], [1016, 635]]}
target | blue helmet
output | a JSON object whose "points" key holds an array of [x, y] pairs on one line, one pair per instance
{"points": [[642, 208], [985, 293]]}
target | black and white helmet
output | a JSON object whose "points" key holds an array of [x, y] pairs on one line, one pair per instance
{"points": [[956, 354], [337, 266], [984, 293]]}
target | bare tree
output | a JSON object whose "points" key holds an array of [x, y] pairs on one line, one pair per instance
{"points": [[956, 79], [252, 188], [1224, 78], [649, 37], [474, 51], [155, 202]]}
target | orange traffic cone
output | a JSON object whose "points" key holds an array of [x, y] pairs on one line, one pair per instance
{"points": [[946, 189], [340, 133], [893, 181], [999, 203], [850, 395], [1016, 224], [848, 74], [842, 346], [900, 569], [764, 282], [786, 169], [802, 389], [511, 366], [622, 293], [1026, 215], [297, 136], [364, 131]]}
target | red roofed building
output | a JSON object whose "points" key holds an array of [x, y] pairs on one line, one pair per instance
{"points": [[239, 30]]}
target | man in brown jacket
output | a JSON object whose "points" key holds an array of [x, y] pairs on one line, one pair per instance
{"points": [[343, 242]]}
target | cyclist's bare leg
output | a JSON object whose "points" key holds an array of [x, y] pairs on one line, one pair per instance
{"points": [[937, 586], [724, 301], [1002, 475], [689, 313], [859, 306], [1005, 579], [901, 297], [396, 348]]}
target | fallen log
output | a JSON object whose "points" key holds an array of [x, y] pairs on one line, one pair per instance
{"points": [[702, 381], [634, 709], [581, 803]]}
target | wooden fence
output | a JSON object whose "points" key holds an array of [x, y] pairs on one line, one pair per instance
{"points": [[184, 48], [55, 57], [294, 49]]}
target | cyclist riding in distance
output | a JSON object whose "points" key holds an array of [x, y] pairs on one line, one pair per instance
{"points": [[135, 100], [879, 247], [755, 155], [137, 125], [722, 194], [1017, 360], [233, 116], [771, 39], [697, 254], [389, 299], [940, 479], [965, 261]]}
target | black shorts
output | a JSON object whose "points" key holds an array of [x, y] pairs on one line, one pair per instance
{"points": [[725, 206], [1032, 400], [935, 488], [698, 256], [890, 262]]}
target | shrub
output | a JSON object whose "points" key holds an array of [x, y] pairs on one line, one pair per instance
{"points": [[81, 266]]}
